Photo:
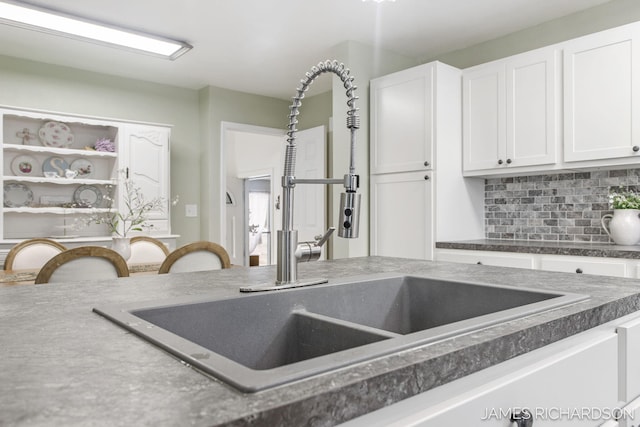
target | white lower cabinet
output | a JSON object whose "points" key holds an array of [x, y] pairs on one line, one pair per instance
{"points": [[573, 382], [617, 267]]}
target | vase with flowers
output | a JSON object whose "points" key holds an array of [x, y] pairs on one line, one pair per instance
{"points": [[623, 226], [131, 215]]}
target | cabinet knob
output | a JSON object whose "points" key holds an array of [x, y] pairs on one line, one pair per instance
{"points": [[500, 161], [426, 177], [479, 262], [579, 270], [636, 148], [523, 418], [426, 163], [508, 161]]}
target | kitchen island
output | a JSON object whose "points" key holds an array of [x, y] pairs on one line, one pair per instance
{"points": [[62, 364]]}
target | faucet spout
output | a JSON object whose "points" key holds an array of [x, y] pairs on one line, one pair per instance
{"points": [[287, 237]]}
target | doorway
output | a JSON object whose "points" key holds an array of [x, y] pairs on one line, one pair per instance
{"points": [[259, 219]]}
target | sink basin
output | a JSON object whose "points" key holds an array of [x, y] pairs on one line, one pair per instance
{"points": [[256, 341]]}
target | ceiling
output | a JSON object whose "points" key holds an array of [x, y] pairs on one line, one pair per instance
{"points": [[265, 46]]}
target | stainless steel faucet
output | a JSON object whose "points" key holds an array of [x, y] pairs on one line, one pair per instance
{"points": [[290, 252]]}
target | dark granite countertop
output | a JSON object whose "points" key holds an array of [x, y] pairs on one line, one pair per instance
{"points": [[62, 364], [545, 247]]}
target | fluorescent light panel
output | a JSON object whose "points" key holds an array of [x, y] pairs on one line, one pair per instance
{"points": [[65, 25]]}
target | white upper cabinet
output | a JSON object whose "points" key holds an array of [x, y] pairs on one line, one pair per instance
{"points": [[601, 109], [401, 132], [510, 113]]}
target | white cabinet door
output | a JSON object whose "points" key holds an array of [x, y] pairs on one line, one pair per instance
{"points": [[532, 94], [510, 110], [401, 215], [483, 116], [401, 121], [578, 374], [147, 162], [601, 116]]}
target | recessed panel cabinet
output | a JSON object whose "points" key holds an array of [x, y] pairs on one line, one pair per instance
{"points": [[601, 95], [57, 169], [510, 112], [402, 120]]}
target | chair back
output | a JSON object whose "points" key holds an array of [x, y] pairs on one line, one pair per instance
{"points": [[32, 253], [197, 256], [89, 263], [147, 250]]}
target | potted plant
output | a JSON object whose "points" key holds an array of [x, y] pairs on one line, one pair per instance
{"points": [[623, 226]]}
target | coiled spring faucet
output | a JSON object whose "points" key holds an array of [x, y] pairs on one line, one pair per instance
{"points": [[290, 252]]}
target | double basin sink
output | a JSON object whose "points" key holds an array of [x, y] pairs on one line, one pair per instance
{"points": [[256, 341]]}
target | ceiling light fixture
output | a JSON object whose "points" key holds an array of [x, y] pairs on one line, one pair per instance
{"points": [[53, 22]]}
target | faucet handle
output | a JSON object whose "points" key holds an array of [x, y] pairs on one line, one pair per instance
{"points": [[322, 239]]}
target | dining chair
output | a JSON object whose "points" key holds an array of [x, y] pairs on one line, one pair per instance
{"points": [[83, 263], [32, 253], [196, 256], [147, 250]]}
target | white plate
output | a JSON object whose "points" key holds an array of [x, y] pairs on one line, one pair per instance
{"points": [[83, 166], [87, 195], [17, 195], [24, 165], [55, 164], [55, 134]]}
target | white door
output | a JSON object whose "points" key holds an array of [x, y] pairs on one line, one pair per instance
{"points": [[148, 167], [309, 213], [532, 104], [602, 95], [483, 106], [401, 215], [401, 121]]}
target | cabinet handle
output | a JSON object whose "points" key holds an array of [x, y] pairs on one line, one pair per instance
{"points": [[522, 418], [508, 161], [479, 262], [426, 177], [426, 163], [636, 148], [579, 270], [500, 161]]}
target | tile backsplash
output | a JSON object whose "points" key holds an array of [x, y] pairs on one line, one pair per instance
{"points": [[558, 207]]}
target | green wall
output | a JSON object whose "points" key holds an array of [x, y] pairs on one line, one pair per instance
{"points": [[605, 16], [42, 86]]}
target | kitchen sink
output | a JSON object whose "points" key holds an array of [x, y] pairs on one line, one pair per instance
{"points": [[257, 341]]}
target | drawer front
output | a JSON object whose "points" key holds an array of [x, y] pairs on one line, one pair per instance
{"points": [[497, 260], [584, 265]]}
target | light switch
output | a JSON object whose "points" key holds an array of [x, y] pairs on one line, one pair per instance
{"points": [[191, 210]]}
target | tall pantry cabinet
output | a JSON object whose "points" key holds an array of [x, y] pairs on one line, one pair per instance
{"points": [[418, 194]]}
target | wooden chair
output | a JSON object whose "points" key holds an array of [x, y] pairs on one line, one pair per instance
{"points": [[147, 250], [32, 254], [197, 256], [83, 263]]}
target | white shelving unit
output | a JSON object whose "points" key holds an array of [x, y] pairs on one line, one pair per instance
{"points": [[35, 205]]}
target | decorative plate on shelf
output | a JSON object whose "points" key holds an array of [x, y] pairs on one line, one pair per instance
{"points": [[55, 164], [55, 134], [83, 166], [88, 196], [24, 165], [17, 195]]}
